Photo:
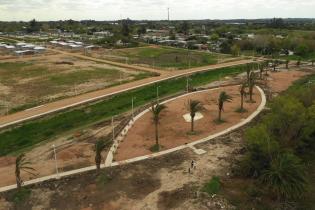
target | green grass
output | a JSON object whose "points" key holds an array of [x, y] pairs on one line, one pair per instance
{"points": [[31, 133], [213, 186], [166, 57]]}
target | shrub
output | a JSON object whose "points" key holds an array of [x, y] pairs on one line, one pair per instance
{"points": [[213, 186]]}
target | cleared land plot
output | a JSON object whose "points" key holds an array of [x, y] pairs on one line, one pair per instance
{"points": [[26, 84], [173, 129], [160, 57]]}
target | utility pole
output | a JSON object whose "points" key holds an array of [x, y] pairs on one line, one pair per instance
{"points": [[113, 128], [132, 107], [187, 84], [56, 164], [157, 94], [168, 14]]}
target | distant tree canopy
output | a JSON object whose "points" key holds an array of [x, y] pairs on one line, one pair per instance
{"points": [[33, 26]]}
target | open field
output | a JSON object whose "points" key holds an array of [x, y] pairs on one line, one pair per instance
{"points": [[27, 83], [160, 183], [160, 57]]}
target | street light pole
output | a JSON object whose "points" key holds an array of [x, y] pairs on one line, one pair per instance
{"points": [[157, 94], [113, 128], [56, 164], [132, 107], [187, 84]]}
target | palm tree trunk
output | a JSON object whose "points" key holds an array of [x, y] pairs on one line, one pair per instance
{"points": [[18, 180], [192, 124], [242, 101], [98, 162], [219, 118]]}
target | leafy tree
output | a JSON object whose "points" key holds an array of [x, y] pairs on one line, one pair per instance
{"points": [[34, 26], [261, 150], [156, 110], [185, 28], [125, 28], [99, 147], [235, 50], [21, 164], [194, 106], [224, 97], [285, 177], [286, 120]]}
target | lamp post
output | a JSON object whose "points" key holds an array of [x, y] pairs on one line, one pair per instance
{"points": [[187, 84], [157, 94], [56, 164], [132, 107], [113, 128]]}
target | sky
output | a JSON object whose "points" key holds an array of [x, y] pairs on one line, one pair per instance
{"points": [[43, 10]]}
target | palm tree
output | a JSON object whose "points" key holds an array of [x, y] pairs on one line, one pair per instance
{"points": [[261, 69], [243, 94], [248, 70], [194, 106], [287, 64], [99, 147], [156, 110], [251, 85], [285, 177], [224, 97], [21, 164]]}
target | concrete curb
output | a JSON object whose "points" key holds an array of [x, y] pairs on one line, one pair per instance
{"points": [[132, 160]]}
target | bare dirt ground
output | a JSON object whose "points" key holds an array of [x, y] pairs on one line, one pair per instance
{"points": [[74, 150], [173, 128], [41, 80], [160, 183], [280, 81]]}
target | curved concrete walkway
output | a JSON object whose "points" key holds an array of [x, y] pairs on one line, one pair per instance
{"points": [[109, 159]]}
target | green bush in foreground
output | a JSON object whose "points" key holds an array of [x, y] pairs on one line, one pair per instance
{"points": [[213, 186]]}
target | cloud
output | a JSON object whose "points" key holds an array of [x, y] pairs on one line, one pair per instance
{"points": [[153, 9]]}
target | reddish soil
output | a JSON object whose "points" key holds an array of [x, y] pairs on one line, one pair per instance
{"points": [[173, 128], [280, 81]]}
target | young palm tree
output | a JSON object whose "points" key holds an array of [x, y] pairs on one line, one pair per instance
{"points": [[287, 64], [243, 94], [194, 106], [261, 69], [99, 147], [21, 164], [248, 71], [251, 85], [156, 110], [224, 97], [285, 177]]}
